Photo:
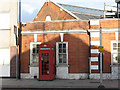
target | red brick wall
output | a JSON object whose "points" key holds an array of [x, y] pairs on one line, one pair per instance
{"points": [[78, 52], [53, 11], [78, 57], [25, 52], [106, 42], [107, 24], [78, 43], [56, 25]]}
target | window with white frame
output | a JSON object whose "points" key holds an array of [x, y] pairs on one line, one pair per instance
{"points": [[62, 52], [34, 53], [116, 52]]}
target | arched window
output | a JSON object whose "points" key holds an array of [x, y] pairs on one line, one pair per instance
{"points": [[48, 18]]}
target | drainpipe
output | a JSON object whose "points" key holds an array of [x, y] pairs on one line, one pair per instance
{"points": [[19, 63], [89, 53]]}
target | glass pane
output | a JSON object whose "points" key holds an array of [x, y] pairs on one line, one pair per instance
{"points": [[64, 45], [37, 58], [64, 50], [118, 44], [118, 50], [37, 48], [37, 51], [47, 54], [119, 58], [34, 58], [34, 46], [33, 50], [115, 49], [60, 58], [64, 58], [60, 50], [114, 44], [60, 45], [115, 57], [42, 57]]}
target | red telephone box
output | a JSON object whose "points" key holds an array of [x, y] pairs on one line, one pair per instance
{"points": [[46, 62]]}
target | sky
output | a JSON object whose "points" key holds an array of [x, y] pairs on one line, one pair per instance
{"points": [[30, 8]]}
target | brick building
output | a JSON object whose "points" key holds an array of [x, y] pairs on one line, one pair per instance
{"points": [[74, 33]]}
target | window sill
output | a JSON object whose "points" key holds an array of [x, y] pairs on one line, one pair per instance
{"points": [[62, 65], [34, 65]]}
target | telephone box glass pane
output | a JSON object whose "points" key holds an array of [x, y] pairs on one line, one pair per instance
{"points": [[45, 64]]}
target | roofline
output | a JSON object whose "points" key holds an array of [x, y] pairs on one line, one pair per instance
{"points": [[39, 10], [55, 21], [82, 7], [106, 19], [86, 13], [67, 11], [87, 7]]}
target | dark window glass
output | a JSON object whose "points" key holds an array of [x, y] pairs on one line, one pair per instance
{"points": [[64, 45], [64, 58], [64, 50], [118, 44], [60, 50], [62, 53], [33, 50], [60, 45], [114, 44]]}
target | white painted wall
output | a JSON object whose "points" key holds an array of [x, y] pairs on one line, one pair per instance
{"points": [[8, 18], [94, 67], [34, 71], [4, 38], [94, 59], [4, 62], [94, 22], [94, 51], [95, 43], [94, 34], [5, 20]]}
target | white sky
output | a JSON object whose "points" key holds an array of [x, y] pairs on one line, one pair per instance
{"points": [[29, 6]]}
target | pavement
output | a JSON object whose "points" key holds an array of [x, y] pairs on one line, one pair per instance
{"points": [[34, 83]]}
